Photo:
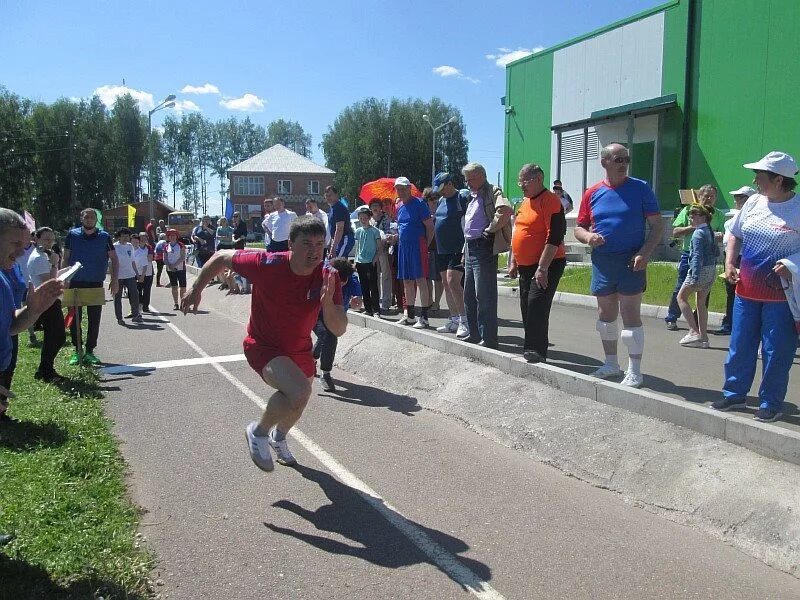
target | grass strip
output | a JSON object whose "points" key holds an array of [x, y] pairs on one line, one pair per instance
{"points": [[63, 493]]}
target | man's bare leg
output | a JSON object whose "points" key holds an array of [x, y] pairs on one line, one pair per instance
{"points": [[284, 408], [633, 337], [608, 310]]}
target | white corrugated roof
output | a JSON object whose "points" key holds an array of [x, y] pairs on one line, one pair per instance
{"points": [[279, 159]]}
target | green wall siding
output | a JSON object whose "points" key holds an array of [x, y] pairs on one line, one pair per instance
{"points": [[529, 89], [673, 81], [747, 100]]}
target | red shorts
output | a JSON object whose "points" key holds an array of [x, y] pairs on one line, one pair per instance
{"points": [[258, 357]]}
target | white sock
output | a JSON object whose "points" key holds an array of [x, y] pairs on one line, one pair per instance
{"points": [[611, 360], [463, 319], [635, 366]]}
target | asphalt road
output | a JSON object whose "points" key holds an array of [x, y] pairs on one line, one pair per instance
{"points": [[388, 500]]}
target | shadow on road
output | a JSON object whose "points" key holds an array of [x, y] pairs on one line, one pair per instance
{"points": [[365, 395], [350, 515]]}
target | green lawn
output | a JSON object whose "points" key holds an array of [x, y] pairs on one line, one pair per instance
{"points": [[660, 283], [63, 494]]}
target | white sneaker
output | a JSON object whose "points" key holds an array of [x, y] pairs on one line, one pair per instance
{"points": [[406, 320], [259, 448], [606, 372], [422, 323], [285, 457], [689, 339], [450, 327], [634, 380], [462, 331]]}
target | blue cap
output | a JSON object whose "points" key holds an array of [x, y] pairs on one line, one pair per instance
{"points": [[440, 180]]}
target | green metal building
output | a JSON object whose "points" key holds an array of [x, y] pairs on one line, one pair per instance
{"points": [[694, 88]]}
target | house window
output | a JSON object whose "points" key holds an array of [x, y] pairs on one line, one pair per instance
{"points": [[248, 185], [243, 210], [284, 186], [313, 187]]}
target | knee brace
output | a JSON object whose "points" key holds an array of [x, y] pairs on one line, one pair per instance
{"points": [[633, 338], [608, 330]]}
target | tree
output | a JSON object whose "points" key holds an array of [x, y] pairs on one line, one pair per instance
{"points": [[373, 139], [129, 132], [291, 135]]}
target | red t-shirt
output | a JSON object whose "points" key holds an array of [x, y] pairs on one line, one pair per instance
{"points": [[284, 306]]}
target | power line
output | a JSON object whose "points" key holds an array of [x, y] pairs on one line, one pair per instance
{"points": [[12, 153]]}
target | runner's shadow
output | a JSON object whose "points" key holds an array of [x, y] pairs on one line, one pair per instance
{"points": [[24, 436], [352, 515], [364, 395]]}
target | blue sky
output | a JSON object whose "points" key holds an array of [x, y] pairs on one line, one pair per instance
{"points": [[304, 61]]}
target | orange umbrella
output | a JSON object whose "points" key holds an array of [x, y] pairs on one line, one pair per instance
{"points": [[383, 189]]}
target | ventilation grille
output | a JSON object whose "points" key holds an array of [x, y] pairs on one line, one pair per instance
{"points": [[572, 147]]}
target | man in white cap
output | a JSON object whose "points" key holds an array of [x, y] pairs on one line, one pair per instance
{"points": [[765, 232], [740, 196]]}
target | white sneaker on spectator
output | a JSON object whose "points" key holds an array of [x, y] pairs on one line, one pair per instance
{"points": [[450, 327], [406, 320], [258, 445], [607, 372], [422, 323], [463, 330], [285, 456], [634, 380]]}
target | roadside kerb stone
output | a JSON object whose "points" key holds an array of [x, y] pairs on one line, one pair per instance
{"points": [[764, 438]]}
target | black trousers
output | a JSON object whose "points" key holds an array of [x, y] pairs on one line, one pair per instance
{"points": [[144, 288], [535, 304], [325, 346], [7, 376], [94, 313], [52, 323], [368, 275]]}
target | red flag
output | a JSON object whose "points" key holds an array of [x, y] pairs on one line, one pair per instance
{"points": [[70, 317]]}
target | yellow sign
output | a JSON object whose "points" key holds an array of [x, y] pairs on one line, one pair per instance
{"points": [[131, 216], [84, 297]]}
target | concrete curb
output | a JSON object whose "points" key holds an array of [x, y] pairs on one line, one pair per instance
{"points": [[764, 438], [567, 299]]}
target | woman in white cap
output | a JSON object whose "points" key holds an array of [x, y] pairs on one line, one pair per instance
{"points": [[740, 196], [766, 230]]}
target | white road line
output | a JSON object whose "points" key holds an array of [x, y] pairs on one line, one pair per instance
{"points": [[168, 364], [445, 560]]}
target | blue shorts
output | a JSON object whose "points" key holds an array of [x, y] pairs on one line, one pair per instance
{"points": [[612, 274]]}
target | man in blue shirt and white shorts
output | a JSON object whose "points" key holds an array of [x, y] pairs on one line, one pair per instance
{"points": [[612, 221]]}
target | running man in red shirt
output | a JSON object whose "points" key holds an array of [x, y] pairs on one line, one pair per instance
{"points": [[290, 288]]}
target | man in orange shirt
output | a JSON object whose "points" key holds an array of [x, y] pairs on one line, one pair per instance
{"points": [[538, 256]]}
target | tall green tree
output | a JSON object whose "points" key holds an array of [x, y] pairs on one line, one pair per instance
{"points": [[373, 138], [289, 134], [129, 128]]}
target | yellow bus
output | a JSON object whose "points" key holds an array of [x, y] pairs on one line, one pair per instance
{"points": [[183, 222]]}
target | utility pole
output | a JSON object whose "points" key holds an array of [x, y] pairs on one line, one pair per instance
{"points": [[73, 200], [389, 158]]}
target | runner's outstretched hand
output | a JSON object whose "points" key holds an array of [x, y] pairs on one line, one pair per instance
{"points": [[191, 301]]}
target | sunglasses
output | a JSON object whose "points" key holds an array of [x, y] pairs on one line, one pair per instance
{"points": [[774, 281], [620, 160]]}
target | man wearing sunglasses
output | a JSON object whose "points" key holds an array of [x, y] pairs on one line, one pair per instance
{"points": [[611, 220]]}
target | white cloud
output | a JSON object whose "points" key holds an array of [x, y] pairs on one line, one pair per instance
{"points": [[184, 105], [109, 93], [208, 88], [247, 103], [448, 71], [506, 55]]}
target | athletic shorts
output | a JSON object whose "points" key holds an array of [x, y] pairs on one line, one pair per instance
{"points": [[259, 356], [177, 278], [449, 262], [612, 274]]}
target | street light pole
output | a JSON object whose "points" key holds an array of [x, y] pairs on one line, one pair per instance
{"points": [[450, 121], [167, 102]]}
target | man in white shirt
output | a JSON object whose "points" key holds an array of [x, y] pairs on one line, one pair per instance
{"points": [[278, 224], [312, 208], [269, 207], [128, 276]]}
